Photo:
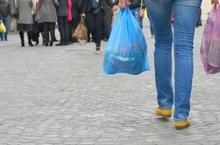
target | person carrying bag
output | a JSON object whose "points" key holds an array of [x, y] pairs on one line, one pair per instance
{"points": [[2, 27]]}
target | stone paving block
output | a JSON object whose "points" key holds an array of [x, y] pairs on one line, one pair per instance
{"points": [[60, 95], [87, 143]]}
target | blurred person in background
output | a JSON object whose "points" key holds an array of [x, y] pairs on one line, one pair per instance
{"points": [[94, 11], [62, 14], [46, 14], [25, 20], [6, 13]]}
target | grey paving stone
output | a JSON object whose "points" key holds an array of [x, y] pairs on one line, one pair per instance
{"points": [[59, 95]]}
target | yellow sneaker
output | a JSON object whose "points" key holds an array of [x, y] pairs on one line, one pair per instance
{"points": [[182, 125], [163, 113]]}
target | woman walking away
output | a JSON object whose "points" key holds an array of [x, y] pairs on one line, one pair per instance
{"points": [[183, 38]]}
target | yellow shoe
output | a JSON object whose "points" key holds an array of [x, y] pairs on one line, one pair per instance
{"points": [[163, 113], [182, 125]]}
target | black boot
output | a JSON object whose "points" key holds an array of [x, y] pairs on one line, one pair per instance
{"points": [[21, 34], [29, 34], [51, 43], [46, 43], [22, 43]]}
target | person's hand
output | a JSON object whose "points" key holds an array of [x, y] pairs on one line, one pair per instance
{"points": [[83, 15], [141, 13], [214, 1], [122, 3], [115, 8]]}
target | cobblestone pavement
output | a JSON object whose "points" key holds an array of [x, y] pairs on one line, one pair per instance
{"points": [[59, 95]]}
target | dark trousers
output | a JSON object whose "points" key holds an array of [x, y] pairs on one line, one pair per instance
{"points": [[94, 25], [107, 25], [29, 35], [70, 30], [48, 27], [63, 29]]}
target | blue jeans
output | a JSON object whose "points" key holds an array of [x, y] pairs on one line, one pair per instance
{"points": [[6, 23], [136, 14], [186, 14]]}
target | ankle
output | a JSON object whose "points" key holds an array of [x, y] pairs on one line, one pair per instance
{"points": [[51, 43], [98, 47]]}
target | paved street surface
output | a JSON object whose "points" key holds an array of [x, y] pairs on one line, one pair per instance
{"points": [[60, 96]]}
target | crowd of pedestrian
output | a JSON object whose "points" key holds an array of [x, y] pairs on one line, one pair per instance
{"points": [[41, 18]]}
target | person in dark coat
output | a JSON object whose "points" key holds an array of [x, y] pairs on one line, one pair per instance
{"points": [[62, 14], [94, 11]]}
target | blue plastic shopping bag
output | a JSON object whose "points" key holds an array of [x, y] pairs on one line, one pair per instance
{"points": [[126, 50]]}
